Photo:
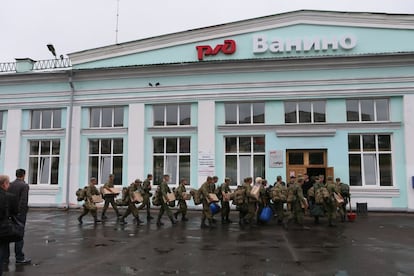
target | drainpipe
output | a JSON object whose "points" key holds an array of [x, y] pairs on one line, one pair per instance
{"points": [[69, 133]]}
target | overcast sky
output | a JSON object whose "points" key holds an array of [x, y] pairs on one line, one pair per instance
{"points": [[26, 26]]}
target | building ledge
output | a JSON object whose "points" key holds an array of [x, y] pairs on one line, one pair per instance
{"points": [[43, 132], [44, 190], [104, 130], [374, 192], [176, 129]]}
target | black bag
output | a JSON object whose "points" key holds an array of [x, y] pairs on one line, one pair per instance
{"points": [[11, 229], [171, 203]]}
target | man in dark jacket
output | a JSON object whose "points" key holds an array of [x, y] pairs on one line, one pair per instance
{"points": [[7, 201], [21, 190]]}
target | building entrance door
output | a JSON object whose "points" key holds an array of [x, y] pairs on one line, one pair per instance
{"points": [[312, 162]]}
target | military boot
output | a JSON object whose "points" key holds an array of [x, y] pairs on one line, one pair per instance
{"points": [[183, 218], [80, 219], [96, 220], [173, 221], [203, 223], [211, 224]]}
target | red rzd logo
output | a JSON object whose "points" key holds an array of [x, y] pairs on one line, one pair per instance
{"points": [[228, 48]]}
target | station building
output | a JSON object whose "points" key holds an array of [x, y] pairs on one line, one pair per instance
{"points": [[311, 92]]}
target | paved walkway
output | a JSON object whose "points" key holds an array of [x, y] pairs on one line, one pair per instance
{"points": [[377, 244]]}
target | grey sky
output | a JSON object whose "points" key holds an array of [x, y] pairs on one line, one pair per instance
{"points": [[26, 26]]}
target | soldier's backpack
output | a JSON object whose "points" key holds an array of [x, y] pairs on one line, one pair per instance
{"points": [[196, 194], [81, 194], [156, 199], [321, 194], [344, 190], [239, 196], [279, 194], [124, 199]]}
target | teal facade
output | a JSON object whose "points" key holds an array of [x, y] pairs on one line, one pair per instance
{"points": [[367, 57]]}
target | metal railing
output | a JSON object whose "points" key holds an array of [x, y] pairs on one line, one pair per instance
{"points": [[48, 64]]}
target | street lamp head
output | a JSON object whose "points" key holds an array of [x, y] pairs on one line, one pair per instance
{"points": [[51, 49]]}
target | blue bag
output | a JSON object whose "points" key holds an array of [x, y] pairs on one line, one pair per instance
{"points": [[266, 214], [214, 208]]}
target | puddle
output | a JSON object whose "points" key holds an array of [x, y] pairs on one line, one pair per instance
{"points": [[163, 250]]}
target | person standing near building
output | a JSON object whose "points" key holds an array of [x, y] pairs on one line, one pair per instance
{"points": [[109, 198], [251, 201], [344, 191], [316, 199], [279, 196], [182, 204], [164, 189], [330, 202], [307, 184], [224, 189], [146, 203], [8, 207], [205, 190], [90, 205], [133, 187], [21, 190], [296, 201]]}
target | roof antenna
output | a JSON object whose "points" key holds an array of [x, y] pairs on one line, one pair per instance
{"points": [[117, 19]]}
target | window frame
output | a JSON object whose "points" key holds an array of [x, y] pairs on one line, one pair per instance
{"points": [[39, 156], [376, 153], [375, 111], [238, 154], [52, 118], [252, 113], [100, 109], [297, 111], [101, 175], [179, 110], [165, 157]]}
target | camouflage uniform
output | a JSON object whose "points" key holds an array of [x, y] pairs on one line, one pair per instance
{"points": [[317, 205], [130, 203], [89, 205], [295, 200], [344, 191], [109, 198], [251, 202], [205, 190], [278, 204], [330, 202], [146, 203], [164, 189], [182, 204], [263, 201], [225, 205]]}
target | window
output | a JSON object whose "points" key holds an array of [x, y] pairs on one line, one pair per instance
{"points": [[111, 116], [171, 155], [105, 158], [305, 112], [245, 156], [368, 110], [172, 114], [370, 160], [44, 162], [46, 118], [244, 113]]}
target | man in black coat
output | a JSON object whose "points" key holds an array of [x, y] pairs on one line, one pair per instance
{"points": [[7, 201], [21, 190]]}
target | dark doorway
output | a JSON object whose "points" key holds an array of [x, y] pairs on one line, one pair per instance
{"points": [[315, 172]]}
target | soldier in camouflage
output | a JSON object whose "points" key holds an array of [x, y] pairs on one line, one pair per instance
{"points": [[344, 191], [225, 203], [296, 202], [134, 187], [330, 202], [109, 198], [182, 204], [164, 189], [146, 203], [89, 205], [206, 214]]}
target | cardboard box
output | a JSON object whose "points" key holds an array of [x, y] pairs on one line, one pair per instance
{"points": [[110, 191], [255, 192], [170, 197], [97, 199], [137, 197], [186, 196], [212, 198]]}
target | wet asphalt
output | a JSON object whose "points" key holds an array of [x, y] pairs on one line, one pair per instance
{"points": [[375, 244]]}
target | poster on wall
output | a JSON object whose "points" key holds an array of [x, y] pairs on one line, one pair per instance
{"points": [[276, 158], [206, 164]]}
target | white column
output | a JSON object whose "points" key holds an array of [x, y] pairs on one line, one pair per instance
{"points": [[409, 146], [136, 140], [12, 145], [74, 151], [206, 133]]}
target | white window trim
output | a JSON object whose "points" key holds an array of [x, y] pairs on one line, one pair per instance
{"points": [[39, 156], [177, 155], [40, 119], [312, 113], [165, 115], [375, 111], [377, 152], [238, 154], [112, 117], [251, 114]]}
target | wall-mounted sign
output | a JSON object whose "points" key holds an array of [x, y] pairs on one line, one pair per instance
{"points": [[276, 159], [206, 163], [281, 45], [227, 48]]}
